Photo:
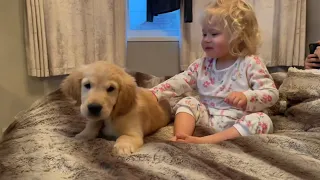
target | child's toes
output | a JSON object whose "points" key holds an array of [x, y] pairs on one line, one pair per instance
{"points": [[174, 138]]}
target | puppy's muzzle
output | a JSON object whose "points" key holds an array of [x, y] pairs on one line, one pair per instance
{"points": [[94, 109]]}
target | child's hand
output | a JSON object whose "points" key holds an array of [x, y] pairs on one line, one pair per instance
{"points": [[237, 99]]}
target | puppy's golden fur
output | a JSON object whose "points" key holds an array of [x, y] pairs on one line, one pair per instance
{"points": [[109, 95]]}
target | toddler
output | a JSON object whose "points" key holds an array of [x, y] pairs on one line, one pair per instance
{"points": [[233, 83]]}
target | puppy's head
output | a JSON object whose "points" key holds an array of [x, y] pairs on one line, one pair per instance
{"points": [[103, 90]]}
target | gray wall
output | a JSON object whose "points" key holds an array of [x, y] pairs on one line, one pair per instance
{"points": [[313, 22], [157, 58], [18, 91]]}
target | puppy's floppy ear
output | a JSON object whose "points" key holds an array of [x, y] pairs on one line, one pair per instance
{"points": [[126, 97], [71, 85]]}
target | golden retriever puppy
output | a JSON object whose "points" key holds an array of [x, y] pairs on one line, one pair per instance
{"points": [[109, 95]]}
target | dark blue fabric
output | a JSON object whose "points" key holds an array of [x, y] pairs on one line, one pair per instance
{"points": [[155, 7]]}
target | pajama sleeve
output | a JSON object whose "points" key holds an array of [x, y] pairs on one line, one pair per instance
{"points": [[263, 92], [178, 84]]}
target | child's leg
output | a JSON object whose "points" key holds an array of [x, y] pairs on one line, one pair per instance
{"points": [[189, 111], [255, 123], [184, 123]]}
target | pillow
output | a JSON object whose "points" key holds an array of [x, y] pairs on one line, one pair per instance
{"points": [[278, 78], [307, 112], [146, 80], [300, 85]]}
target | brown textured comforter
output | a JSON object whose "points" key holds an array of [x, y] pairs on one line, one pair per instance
{"points": [[40, 145]]}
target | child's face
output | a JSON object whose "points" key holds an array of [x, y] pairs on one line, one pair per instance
{"points": [[214, 42]]}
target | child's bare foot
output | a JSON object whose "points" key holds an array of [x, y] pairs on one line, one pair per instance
{"points": [[174, 138]]}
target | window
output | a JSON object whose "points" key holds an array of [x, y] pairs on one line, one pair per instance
{"points": [[165, 27]]}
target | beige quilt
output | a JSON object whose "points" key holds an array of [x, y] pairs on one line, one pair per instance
{"points": [[39, 144]]}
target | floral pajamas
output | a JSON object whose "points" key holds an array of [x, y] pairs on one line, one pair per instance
{"points": [[246, 124], [247, 75]]}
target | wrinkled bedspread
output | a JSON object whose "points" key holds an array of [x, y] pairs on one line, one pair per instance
{"points": [[39, 144]]}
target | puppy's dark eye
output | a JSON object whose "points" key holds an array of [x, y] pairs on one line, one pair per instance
{"points": [[110, 89], [88, 85]]}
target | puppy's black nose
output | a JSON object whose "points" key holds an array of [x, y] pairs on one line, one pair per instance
{"points": [[94, 109]]}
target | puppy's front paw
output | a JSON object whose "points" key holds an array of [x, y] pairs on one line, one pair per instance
{"points": [[126, 145], [124, 148], [85, 135]]}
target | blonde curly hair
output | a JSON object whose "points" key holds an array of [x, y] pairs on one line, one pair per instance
{"points": [[238, 20]]}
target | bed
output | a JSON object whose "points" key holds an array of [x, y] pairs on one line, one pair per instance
{"points": [[40, 143]]}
